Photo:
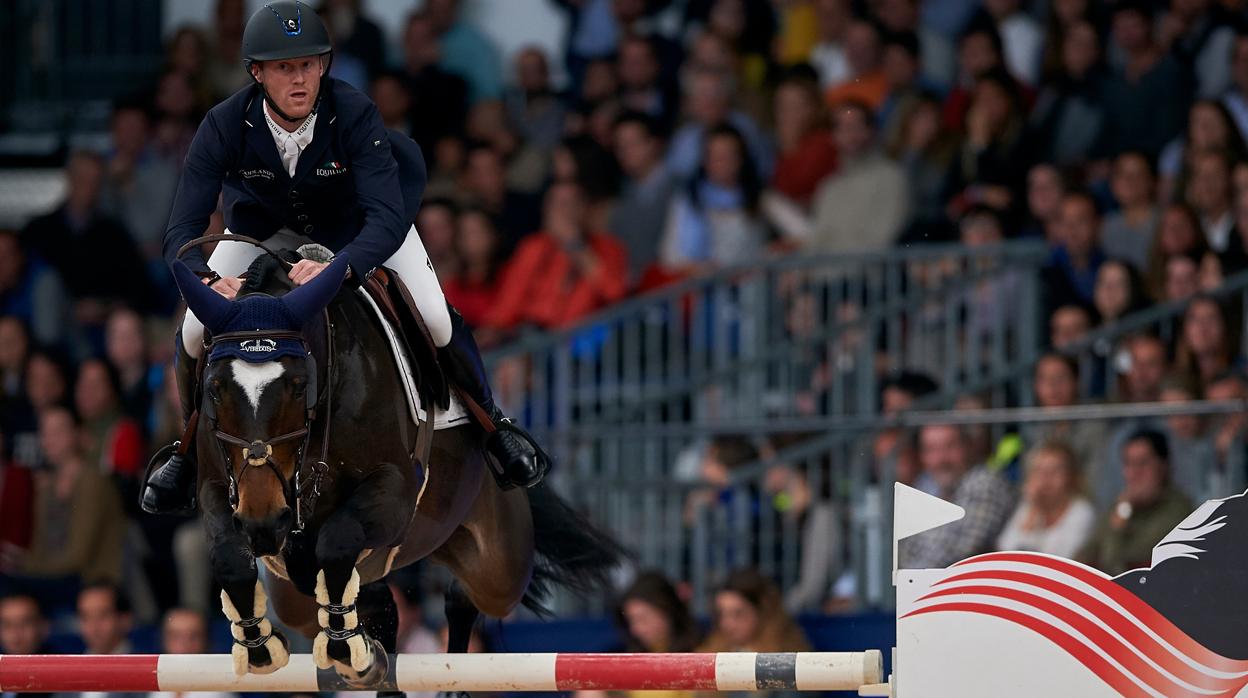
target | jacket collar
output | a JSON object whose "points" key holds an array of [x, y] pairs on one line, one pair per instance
{"points": [[312, 156], [259, 138]]}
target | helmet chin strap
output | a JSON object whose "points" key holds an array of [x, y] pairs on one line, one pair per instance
{"points": [[278, 110]]}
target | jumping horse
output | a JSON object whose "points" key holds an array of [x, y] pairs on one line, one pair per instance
{"points": [[312, 466]]}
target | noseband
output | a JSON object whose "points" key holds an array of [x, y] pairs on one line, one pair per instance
{"points": [[301, 491]]}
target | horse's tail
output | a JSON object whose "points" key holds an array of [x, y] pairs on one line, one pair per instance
{"points": [[571, 551]]}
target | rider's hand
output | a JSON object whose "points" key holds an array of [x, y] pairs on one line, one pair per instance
{"points": [[227, 286], [305, 270]]}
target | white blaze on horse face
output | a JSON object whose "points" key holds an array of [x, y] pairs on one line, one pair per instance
{"points": [[254, 378]]}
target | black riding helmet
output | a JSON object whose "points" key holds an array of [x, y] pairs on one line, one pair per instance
{"points": [[281, 30]]}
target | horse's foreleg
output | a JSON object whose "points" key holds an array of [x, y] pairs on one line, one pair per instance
{"points": [[375, 516], [258, 648], [461, 618]]}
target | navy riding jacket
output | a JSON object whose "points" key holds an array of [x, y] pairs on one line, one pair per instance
{"points": [[357, 186]]}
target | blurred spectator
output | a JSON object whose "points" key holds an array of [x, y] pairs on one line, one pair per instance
{"points": [[354, 34], [1068, 325], [126, 350], [1070, 276], [1235, 258], [94, 255], [1128, 232], [1119, 291], [1146, 369], [183, 631], [177, 116], [1209, 129], [14, 348], [1022, 37], [466, 51], [821, 547], [925, 151], [583, 160], [984, 495], [1146, 510], [111, 441], [562, 273], [1209, 192], [46, 385], [138, 188], [23, 627], [392, 94], [654, 617], [905, 86], [832, 19], [1046, 185], [439, 98], [806, 151], [1178, 234], [1056, 384], [1228, 432], [436, 224], [26, 284], [16, 498], [638, 217], [1053, 517], [1182, 277], [104, 619], [1200, 37], [1068, 118], [709, 96], [994, 157], [990, 301], [473, 289], [187, 53], [643, 87], [1236, 96], [533, 109], [865, 203], [225, 63], [414, 635], [867, 83], [1207, 345], [485, 185], [936, 55], [1149, 82], [715, 462], [79, 523], [979, 53], [715, 223], [749, 616]]}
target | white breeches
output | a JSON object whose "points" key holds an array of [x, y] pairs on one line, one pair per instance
{"points": [[411, 263]]}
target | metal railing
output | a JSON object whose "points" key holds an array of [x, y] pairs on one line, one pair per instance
{"points": [[816, 518], [788, 338]]}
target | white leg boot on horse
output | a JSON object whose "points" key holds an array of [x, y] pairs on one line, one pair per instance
{"points": [[258, 647]]}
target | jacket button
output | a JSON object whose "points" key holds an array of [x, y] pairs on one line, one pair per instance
{"points": [[294, 193], [297, 204], [301, 217], [307, 229]]}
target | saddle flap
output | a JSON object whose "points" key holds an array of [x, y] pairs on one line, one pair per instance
{"points": [[391, 295]]}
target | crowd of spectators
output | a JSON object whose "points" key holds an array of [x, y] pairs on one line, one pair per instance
{"points": [[674, 138]]}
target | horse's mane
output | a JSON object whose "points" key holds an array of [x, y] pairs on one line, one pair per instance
{"points": [[266, 275]]}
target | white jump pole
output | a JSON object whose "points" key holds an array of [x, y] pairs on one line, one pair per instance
{"points": [[726, 671]]}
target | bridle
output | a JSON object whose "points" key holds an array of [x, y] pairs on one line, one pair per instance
{"points": [[303, 489]]}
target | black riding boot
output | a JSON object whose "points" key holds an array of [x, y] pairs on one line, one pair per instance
{"points": [[170, 488], [518, 455]]}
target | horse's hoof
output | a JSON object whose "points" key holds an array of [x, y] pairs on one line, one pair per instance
{"points": [[372, 674]]}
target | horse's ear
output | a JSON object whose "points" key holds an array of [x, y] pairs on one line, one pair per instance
{"points": [[309, 299], [212, 309]]}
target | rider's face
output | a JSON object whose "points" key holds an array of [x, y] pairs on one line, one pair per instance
{"points": [[293, 84]]}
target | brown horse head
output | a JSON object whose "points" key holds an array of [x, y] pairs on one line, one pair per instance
{"points": [[259, 393]]}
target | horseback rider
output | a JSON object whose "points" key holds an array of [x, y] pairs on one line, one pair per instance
{"points": [[301, 156]]}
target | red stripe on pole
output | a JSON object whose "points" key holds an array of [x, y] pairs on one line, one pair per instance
{"points": [[58, 672], [635, 672]]}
